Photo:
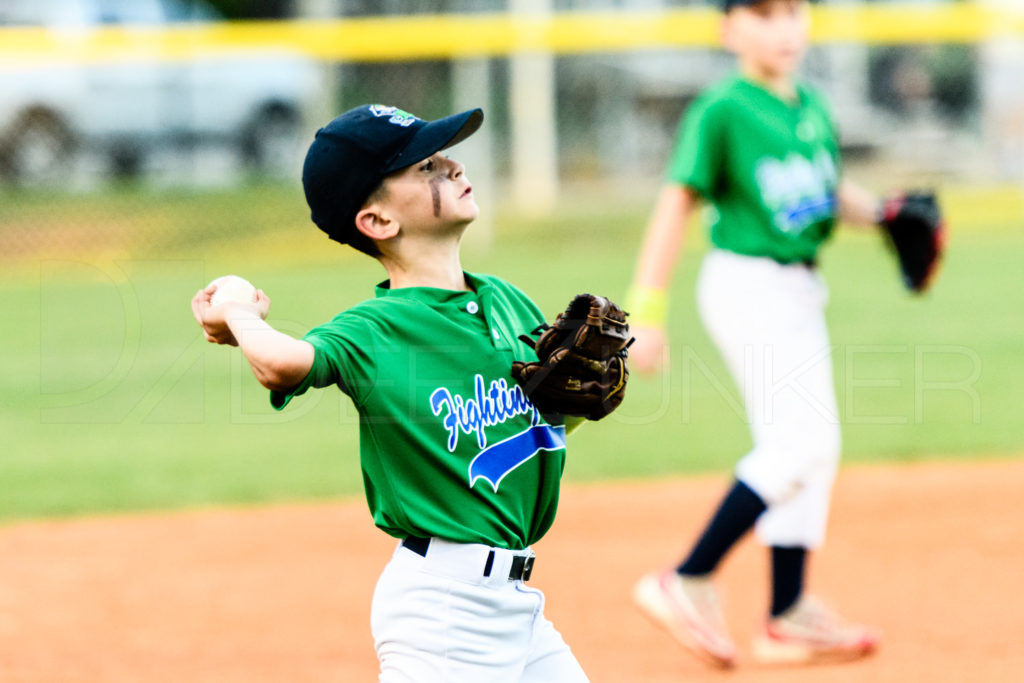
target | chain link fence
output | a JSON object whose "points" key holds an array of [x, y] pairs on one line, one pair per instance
{"points": [[146, 156]]}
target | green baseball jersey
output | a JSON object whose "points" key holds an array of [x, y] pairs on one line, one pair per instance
{"points": [[450, 447], [768, 167]]}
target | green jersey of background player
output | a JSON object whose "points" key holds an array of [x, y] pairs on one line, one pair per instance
{"points": [[456, 461], [760, 150]]}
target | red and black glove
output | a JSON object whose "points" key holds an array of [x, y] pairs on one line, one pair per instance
{"points": [[916, 231]]}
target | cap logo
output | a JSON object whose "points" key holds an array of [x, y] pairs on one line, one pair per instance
{"points": [[396, 115]]}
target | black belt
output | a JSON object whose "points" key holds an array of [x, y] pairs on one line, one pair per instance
{"points": [[807, 263], [522, 565]]}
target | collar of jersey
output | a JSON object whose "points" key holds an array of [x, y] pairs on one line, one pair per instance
{"points": [[433, 295], [801, 94]]}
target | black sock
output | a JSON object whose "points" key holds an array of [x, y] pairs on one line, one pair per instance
{"points": [[739, 510], [787, 577]]}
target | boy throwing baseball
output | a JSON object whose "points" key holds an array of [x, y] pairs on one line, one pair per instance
{"points": [[457, 462], [760, 148]]}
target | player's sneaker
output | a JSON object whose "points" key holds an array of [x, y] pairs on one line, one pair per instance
{"points": [[809, 632], [688, 608]]}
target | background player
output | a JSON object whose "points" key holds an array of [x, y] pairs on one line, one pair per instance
{"points": [[762, 150], [456, 462]]}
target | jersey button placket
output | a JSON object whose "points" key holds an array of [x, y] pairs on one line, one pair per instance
{"points": [[496, 339]]}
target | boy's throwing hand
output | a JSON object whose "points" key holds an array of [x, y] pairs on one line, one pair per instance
{"points": [[214, 319]]}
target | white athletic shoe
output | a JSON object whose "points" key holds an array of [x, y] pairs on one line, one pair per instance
{"points": [[809, 632], [688, 608]]}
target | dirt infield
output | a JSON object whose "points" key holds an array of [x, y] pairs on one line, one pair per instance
{"points": [[932, 554]]}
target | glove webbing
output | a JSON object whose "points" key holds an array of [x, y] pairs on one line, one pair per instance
{"points": [[547, 367]]}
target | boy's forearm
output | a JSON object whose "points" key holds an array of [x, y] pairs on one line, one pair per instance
{"points": [[857, 206], [664, 237], [647, 299], [280, 362]]}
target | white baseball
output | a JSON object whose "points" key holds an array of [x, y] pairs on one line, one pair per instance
{"points": [[232, 288]]}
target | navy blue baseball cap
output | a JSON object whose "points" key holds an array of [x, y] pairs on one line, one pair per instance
{"points": [[351, 155]]}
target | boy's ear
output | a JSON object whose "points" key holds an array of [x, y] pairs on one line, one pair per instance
{"points": [[373, 222]]}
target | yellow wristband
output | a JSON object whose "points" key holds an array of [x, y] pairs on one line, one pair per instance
{"points": [[647, 306]]}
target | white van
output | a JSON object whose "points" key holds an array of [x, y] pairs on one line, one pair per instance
{"points": [[251, 101]]}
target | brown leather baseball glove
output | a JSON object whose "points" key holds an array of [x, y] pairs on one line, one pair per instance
{"points": [[581, 360]]}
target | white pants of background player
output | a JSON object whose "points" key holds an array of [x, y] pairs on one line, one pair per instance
{"points": [[439, 619], [768, 321]]}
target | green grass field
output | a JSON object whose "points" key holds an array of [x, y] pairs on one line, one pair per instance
{"points": [[112, 401]]}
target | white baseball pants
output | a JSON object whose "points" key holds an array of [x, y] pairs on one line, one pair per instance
{"points": [[768, 321], [439, 619]]}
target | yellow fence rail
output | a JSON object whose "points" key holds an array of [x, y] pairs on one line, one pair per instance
{"points": [[381, 39]]}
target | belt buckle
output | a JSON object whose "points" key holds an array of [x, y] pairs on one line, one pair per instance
{"points": [[528, 567], [522, 568]]}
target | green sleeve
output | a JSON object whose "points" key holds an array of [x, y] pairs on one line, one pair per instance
{"points": [[341, 357], [829, 121], [697, 158], [823, 105]]}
